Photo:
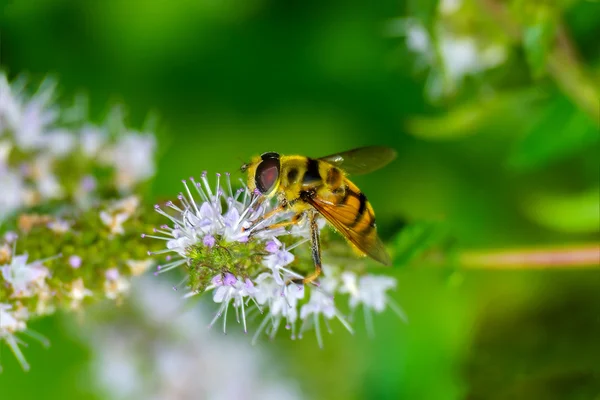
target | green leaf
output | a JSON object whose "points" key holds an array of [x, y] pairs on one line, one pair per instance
{"points": [[559, 131], [573, 213], [538, 39], [424, 10], [416, 239], [472, 117]]}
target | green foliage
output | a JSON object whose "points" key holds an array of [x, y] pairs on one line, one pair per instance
{"points": [[416, 239], [539, 34], [556, 131], [569, 213]]}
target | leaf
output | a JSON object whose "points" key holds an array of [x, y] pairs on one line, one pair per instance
{"points": [[424, 10], [559, 131], [539, 22], [472, 117], [538, 40], [574, 213], [416, 239]]}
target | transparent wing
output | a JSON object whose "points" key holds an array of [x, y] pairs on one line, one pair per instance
{"points": [[362, 160], [341, 216]]}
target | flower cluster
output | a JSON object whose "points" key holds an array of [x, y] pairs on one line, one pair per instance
{"points": [[69, 216], [67, 263], [48, 153], [155, 347], [456, 45], [214, 235]]}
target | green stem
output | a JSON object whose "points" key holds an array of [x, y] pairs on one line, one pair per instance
{"points": [[576, 256]]}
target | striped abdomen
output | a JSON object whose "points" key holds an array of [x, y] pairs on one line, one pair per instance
{"points": [[358, 213]]}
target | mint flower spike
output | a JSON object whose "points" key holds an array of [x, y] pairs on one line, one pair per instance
{"points": [[214, 235], [54, 161]]}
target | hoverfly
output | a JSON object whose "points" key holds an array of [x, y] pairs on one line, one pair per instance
{"points": [[320, 186]]}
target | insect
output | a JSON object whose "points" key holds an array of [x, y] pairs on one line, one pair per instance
{"points": [[320, 186]]}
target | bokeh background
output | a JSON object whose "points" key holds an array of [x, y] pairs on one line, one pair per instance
{"points": [[492, 107]]}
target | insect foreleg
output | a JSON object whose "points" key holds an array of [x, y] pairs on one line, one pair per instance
{"points": [[283, 224], [265, 216]]}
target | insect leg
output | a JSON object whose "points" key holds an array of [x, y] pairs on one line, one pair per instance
{"points": [[274, 211], [315, 248], [283, 224]]}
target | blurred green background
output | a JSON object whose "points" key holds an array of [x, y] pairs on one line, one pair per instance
{"points": [[508, 159]]}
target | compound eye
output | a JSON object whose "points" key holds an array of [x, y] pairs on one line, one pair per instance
{"points": [[267, 173]]}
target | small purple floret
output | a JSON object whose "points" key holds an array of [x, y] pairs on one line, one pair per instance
{"points": [[75, 261], [112, 274], [230, 279], [272, 246], [209, 241], [10, 237]]}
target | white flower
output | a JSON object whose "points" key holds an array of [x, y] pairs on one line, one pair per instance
{"points": [[126, 205], [92, 139], [369, 290], [48, 185], [12, 322], [196, 220], [228, 288], [224, 228], [9, 322], [133, 158], [457, 56], [114, 221], [118, 213], [59, 226], [37, 116], [22, 277], [78, 293], [13, 192], [282, 302], [59, 142], [321, 302], [115, 285], [278, 258]]}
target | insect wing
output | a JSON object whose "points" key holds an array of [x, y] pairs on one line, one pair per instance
{"points": [[342, 216], [362, 160]]}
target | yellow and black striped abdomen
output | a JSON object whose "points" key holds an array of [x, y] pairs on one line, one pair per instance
{"points": [[363, 220], [352, 215]]}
